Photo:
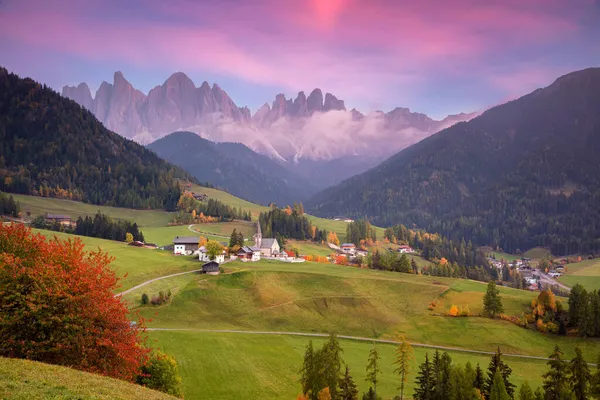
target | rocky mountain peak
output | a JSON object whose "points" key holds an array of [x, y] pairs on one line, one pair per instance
{"points": [[315, 101], [333, 103]]}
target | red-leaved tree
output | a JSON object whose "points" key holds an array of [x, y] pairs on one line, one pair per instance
{"points": [[57, 305]]}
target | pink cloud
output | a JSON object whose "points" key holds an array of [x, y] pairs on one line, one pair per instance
{"points": [[348, 47]]}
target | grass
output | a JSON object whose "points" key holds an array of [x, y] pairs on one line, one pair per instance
{"points": [[537, 253], [231, 200], [586, 273], [310, 297], [308, 248], [238, 366], [135, 264], [505, 256], [30, 380], [248, 229], [42, 205]]}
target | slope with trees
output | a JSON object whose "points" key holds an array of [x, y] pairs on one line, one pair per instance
{"points": [[50, 146], [521, 175]]}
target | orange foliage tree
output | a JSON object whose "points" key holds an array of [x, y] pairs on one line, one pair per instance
{"points": [[333, 239], [57, 305], [453, 312], [341, 260]]}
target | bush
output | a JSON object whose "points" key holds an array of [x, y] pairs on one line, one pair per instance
{"points": [[161, 373], [145, 299], [56, 287]]}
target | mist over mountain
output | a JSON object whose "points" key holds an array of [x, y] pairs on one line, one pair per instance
{"points": [[315, 127]]}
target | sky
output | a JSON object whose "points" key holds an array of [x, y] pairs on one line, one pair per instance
{"points": [[438, 57]]}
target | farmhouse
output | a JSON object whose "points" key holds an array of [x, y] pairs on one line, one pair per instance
{"points": [[203, 255], [185, 245], [249, 254], [211, 268], [405, 249], [60, 218], [348, 248], [345, 219]]}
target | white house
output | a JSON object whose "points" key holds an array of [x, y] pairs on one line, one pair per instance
{"points": [[203, 256], [185, 245], [348, 248], [405, 249], [268, 247]]}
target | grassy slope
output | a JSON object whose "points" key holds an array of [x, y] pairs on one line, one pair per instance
{"points": [[235, 366], [317, 298], [586, 273], [42, 205], [139, 264], [29, 380]]}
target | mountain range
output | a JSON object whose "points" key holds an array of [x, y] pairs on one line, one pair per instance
{"points": [[522, 174], [309, 128]]}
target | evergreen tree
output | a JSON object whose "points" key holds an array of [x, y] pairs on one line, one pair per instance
{"points": [[556, 385], [373, 368], [498, 365], [596, 380], [309, 374], [331, 355], [492, 302], [441, 371], [538, 395], [424, 381], [498, 390], [575, 304], [525, 392], [233, 239], [479, 380], [581, 376], [347, 387]]}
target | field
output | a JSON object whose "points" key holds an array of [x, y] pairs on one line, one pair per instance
{"points": [[307, 248], [231, 200], [312, 297], [42, 205], [537, 253], [30, 380], [139, 264], [505, 256], [586, 273], [232, 366]]}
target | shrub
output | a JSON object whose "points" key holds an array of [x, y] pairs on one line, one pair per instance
{"points": [[145, 299], [453, 312], [55, 286], [161, 373]]}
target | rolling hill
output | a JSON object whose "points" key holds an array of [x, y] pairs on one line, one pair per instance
{"points": [[31, 380], [50, 146], [523, 174], [234, 167]]}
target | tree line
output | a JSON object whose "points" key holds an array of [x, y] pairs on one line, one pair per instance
{"points": [[192, 211], [325, 376], [52, 147], [8, 205], [101, 226], [289, 223]]}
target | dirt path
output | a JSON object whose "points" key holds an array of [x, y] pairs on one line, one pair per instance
{"points": [[357, 338]]}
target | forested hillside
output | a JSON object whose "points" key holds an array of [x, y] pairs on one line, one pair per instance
{"points": [[522, 174], [234, 167], [50, 146]]}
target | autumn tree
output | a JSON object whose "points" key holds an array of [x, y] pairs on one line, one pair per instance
{"points": [[202, 241], [161, 373], [333, 239], [213, 249], [373, 369], [56, 286], [324, 394], [492, 302], [128, 237], [404, 357]]}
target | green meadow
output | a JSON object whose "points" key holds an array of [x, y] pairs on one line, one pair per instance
{"points": [[586, 273]]}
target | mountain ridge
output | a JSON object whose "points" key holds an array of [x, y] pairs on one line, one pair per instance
{"points": [[525, 168]]}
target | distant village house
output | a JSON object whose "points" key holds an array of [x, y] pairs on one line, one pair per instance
{"points": [[211, 268], [348, 248], [203, 255], [185, 245], [405, 249], [249, 254], [59, 218]]}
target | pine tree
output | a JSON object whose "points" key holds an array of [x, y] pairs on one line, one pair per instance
{"points": [[424, 381], [479, 380], [556, 380], [525, 392], [373, 368], [581, 376], [492, 302], [331, 369], [404, 358], [497, 364], [538, 395], [498, 390], [575, 304], [347, 387], [596, 380], [308, 371]]}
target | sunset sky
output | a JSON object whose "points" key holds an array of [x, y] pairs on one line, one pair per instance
{"points": [[436, 57]]}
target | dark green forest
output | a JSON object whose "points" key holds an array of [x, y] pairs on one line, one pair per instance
{"points": [[521, 175], [8, 205], [289, 223], [50, 146]]}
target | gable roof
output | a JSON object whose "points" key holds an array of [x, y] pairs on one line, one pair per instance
{"points": [[57, 216], [211, 266], [267, 243], [348, 245], [186, 240]]}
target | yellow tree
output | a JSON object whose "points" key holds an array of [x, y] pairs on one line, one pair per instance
{"points": [[202, 241], [128, 237], [404, 357], [324, 394]]}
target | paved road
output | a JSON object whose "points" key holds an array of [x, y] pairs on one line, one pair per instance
{"points": [[357, 338], [548, 280]]}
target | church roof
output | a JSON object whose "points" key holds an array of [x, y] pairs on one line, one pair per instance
{"points": [[267, 243]]}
